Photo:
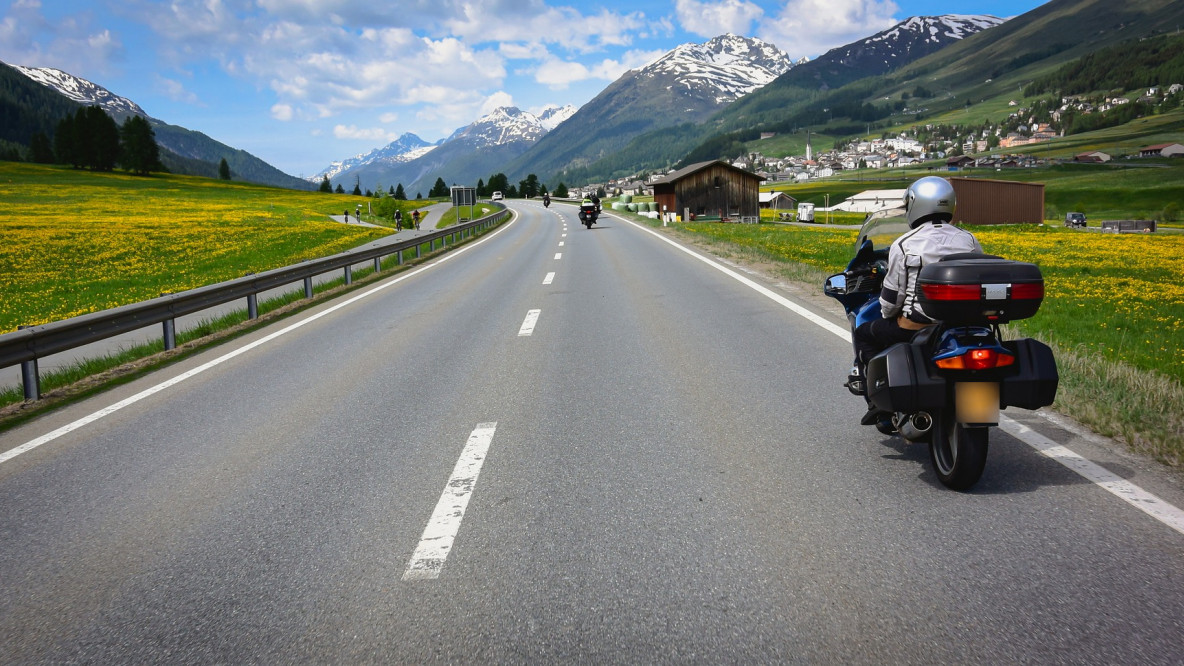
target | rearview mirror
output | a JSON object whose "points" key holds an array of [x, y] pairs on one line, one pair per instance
{"points": [[836, 285]]}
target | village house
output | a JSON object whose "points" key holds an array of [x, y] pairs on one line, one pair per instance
{"points": [[1162, 150]]}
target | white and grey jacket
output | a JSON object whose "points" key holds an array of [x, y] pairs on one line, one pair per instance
{"points": [[918, 247]]}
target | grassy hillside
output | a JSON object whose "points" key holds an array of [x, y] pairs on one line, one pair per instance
{"points": [[77, 242]]}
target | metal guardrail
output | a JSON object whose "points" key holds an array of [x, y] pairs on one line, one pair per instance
{"points": [[27, 345]]}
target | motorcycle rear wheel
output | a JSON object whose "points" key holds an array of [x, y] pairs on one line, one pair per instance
{"points": [[958, 452]]}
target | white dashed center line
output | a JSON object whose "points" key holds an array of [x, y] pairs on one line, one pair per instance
{"points": [[440, 533], [532, 318], [549, 278]]}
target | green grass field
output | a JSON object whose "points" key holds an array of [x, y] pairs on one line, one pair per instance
{"points": [[76, 242]]}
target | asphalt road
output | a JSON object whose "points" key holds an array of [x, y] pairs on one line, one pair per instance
{"points": [[557, 445]]}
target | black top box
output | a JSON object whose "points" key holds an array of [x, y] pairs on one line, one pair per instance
{"points": [[980, 289]]}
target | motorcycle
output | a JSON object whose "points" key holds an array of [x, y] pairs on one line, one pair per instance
{"points": [[546, 201], [588, 214], [948, 385]]}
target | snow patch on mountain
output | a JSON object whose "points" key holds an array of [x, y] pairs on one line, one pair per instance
{"points": [[406, 148], [83, 91], [553, 115], [724, 68], [938, 29]]}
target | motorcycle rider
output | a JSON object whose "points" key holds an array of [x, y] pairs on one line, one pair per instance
{"points": [[929, 206]]}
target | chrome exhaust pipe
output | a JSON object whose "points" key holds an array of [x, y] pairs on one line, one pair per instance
{"points": [[916, 426]]}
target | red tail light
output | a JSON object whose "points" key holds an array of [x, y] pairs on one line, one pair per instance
{"points": [[976, 359], [1028, 290], [952, 292]]}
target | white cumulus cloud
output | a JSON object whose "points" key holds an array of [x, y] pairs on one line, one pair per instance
{"points": [[812, 27], [710, 19]]}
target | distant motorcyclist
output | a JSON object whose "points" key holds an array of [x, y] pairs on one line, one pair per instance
{"points": [[546, 200], [929, 206]]}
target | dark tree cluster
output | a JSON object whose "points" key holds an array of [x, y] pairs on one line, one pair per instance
{"points": [[91, 139]]}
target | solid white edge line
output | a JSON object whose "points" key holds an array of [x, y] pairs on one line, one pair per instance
{"points": [[440, 533], [532, 318], [106, 411], [1149, 503], [1128, 492]]}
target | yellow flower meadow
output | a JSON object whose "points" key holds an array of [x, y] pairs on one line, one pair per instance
{"points": [[76, 242], [1118, 295]]}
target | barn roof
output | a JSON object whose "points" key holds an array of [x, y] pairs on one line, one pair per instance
{"points": [[700, 166]]}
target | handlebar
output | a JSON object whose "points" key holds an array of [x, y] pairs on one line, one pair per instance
{"points": [[874, 268]]}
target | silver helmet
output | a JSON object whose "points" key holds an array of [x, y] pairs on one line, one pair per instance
{"points": [[930, 199]]}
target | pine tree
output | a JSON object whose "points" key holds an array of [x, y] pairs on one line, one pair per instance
{"points": [[340, 189], [223, 170], [138, 150], [40, 149], [440, 189], [100, 139], [66, 144], [326, 186], [357, 186], [561, 191], [399, 193]]}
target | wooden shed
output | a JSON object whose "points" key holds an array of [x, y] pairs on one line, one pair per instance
{"points": [[714, 190], [984, 201]]}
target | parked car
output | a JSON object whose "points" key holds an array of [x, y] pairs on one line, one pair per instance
{"points": [[1075, 220], [497, 196]]}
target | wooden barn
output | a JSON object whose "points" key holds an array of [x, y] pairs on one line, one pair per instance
{"points": [[984, 201], [711, 190]]}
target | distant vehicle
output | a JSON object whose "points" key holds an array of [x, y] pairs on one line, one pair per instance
{"points": [[497, 196], [805, 212], [1075, 220]]}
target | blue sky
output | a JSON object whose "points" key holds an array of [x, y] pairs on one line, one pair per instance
{"points": [[301, 83]]}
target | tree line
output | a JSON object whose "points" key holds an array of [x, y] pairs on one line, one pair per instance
{"points": [[1136, 64], [91, 139], [527, 188]]}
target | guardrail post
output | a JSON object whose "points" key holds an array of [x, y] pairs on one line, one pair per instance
{"points": [[308, 287], [30, 378], [417, 251], [252, 306], [377, 264], [349, 274], [399, 258], [170, 334]]}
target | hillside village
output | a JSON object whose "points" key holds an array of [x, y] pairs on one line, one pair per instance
{"points": [[991, 146]]}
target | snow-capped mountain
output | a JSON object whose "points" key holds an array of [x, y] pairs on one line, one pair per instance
{"points": [[403, 149], [688, 84], [508, 129], [504, 125], [553, 115], [471, 152], [724, 69], [905, 42], [83, 91], [185, 151]]}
